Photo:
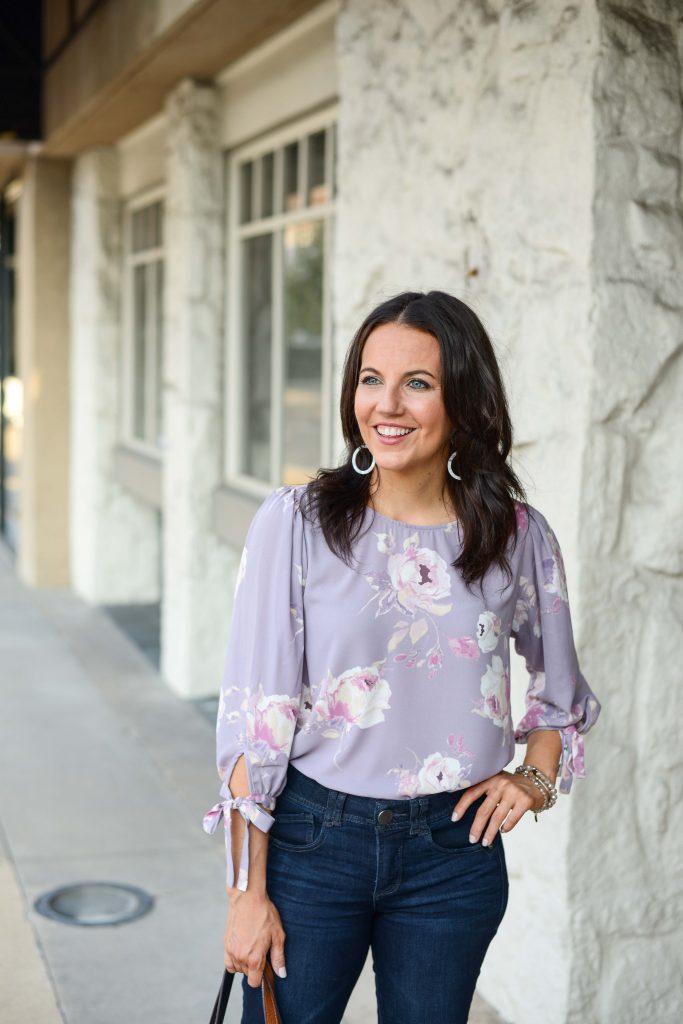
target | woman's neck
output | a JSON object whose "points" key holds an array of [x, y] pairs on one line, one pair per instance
{"points": [[405, 501]]}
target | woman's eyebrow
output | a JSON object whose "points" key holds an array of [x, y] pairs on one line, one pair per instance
{"points": [[408, 373]]}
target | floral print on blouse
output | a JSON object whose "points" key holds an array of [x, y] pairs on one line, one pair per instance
{"points": [[388, 679]]}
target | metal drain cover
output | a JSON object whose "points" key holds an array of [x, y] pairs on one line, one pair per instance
{"points": [[94, 903]]}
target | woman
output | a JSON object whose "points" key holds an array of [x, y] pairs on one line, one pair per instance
{"points": [[364, 722]]}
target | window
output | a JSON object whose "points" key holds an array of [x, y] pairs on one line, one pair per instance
{"points": [[144, 288], [282, 192]]}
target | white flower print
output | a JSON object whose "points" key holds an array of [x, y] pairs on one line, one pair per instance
{"points": [[526, 608], [488, 631], [495, 689], [439, 773], [359, 696], [270, 721], [420, 578], [555, 578], [435, 773], [416, 580], [386, 542]]}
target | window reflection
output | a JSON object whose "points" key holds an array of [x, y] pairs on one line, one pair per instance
{"points": [[146, 282], [256, 334], [318, 191], [283, 221], [139, 349], [292, 196], [303, 329]]}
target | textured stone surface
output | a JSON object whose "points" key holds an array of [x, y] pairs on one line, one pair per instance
{"points": [[466, 163], [627, 925], [114, 545], [198, 568]]}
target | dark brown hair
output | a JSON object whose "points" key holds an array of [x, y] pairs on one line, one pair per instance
{"points": [[475, 402]]}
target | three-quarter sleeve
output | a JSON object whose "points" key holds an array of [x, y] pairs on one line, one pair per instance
{"points": [[558, 696], [262, 677]]}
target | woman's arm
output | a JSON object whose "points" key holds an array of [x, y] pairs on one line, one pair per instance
{"points": [[253, 926], [543, 750]]}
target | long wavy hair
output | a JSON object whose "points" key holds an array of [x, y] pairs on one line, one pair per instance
{"points": [[475, 401]]}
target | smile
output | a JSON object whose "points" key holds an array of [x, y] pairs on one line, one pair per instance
{"points": [[392, 435]]}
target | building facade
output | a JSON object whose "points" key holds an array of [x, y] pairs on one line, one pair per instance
{"points": [[219, 194]]}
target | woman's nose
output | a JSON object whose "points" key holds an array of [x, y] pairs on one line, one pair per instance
{"points": [[390, 399]]}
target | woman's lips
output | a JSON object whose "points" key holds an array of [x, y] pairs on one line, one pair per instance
{"points": [[394, 439]]}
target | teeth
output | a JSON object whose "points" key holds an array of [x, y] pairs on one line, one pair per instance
{"points": [[393, 431]]}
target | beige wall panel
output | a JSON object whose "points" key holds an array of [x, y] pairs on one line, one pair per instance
{"points": [[43, 328], [142, 158], [283, 83]]}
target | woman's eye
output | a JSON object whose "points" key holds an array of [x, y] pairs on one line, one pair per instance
{"points": [[414, 380]]}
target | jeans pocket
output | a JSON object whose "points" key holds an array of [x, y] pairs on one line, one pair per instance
{"points": [[448, 836], [296, 830]]}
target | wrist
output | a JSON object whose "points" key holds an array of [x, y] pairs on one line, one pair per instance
{"points": [[253, 892], [537, 777]]}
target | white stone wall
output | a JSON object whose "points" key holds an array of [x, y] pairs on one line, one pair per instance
{"points": [[198, 568], [466, 164], [626, 860], [114, 545], [527, 157]]}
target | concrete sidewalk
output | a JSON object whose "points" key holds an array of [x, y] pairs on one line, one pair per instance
{"points": [[105, 775]]}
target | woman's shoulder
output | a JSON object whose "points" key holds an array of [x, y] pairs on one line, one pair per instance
{"points": [[529, 519], [281, 508]]}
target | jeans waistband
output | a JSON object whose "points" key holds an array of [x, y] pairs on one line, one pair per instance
{"points": [[416, 810]]}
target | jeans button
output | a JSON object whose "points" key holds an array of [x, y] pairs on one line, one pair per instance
{"points": [[385, 816]]}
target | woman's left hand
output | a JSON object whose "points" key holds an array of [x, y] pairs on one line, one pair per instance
{"points": [[508, 796]]}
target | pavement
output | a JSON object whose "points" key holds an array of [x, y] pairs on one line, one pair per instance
{"points": [[105, 775]]}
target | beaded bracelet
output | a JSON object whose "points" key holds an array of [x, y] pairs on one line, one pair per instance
{"points": [[541, 780]]}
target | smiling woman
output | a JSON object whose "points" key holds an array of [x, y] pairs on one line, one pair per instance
{"points": [[424, 363], [365, 716]]}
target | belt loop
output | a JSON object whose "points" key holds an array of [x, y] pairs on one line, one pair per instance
{"points": [[418, 815], [335, 806]]}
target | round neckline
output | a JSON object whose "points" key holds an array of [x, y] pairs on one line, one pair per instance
{"points": [[413, 526]]}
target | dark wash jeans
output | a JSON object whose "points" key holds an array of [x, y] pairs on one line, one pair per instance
{"points": [[413, 888]]}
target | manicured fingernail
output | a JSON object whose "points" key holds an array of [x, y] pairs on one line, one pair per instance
{"points": [[473, 839], [282, 971], [454, 816], [484, 841]]}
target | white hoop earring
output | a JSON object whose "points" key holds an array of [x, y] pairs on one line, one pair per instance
{"points": [[454, 475], [354, 464]]}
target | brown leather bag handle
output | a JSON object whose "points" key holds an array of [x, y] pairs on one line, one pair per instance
{"points": [[270, 1011]]}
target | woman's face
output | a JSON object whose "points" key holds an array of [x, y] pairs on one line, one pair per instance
{"points": [[399, 385]]}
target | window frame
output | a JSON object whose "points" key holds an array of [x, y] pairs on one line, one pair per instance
{"points": [[235, 232], [130, 261]]}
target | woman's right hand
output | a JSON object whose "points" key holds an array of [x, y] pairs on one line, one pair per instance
{"points": [[252, 929]]}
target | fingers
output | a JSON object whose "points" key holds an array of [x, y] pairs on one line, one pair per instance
{"points": [[254, 971], [471, 794], [494, 812], [489, 811], [277, 956]]}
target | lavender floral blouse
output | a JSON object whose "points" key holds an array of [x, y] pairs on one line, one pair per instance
{"points": [[390, 679]]}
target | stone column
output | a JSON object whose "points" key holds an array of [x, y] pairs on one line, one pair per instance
{"points": [[197, 566], [625, 851], [114, 545], [536, 154], [43, 345], [483, 112]]}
